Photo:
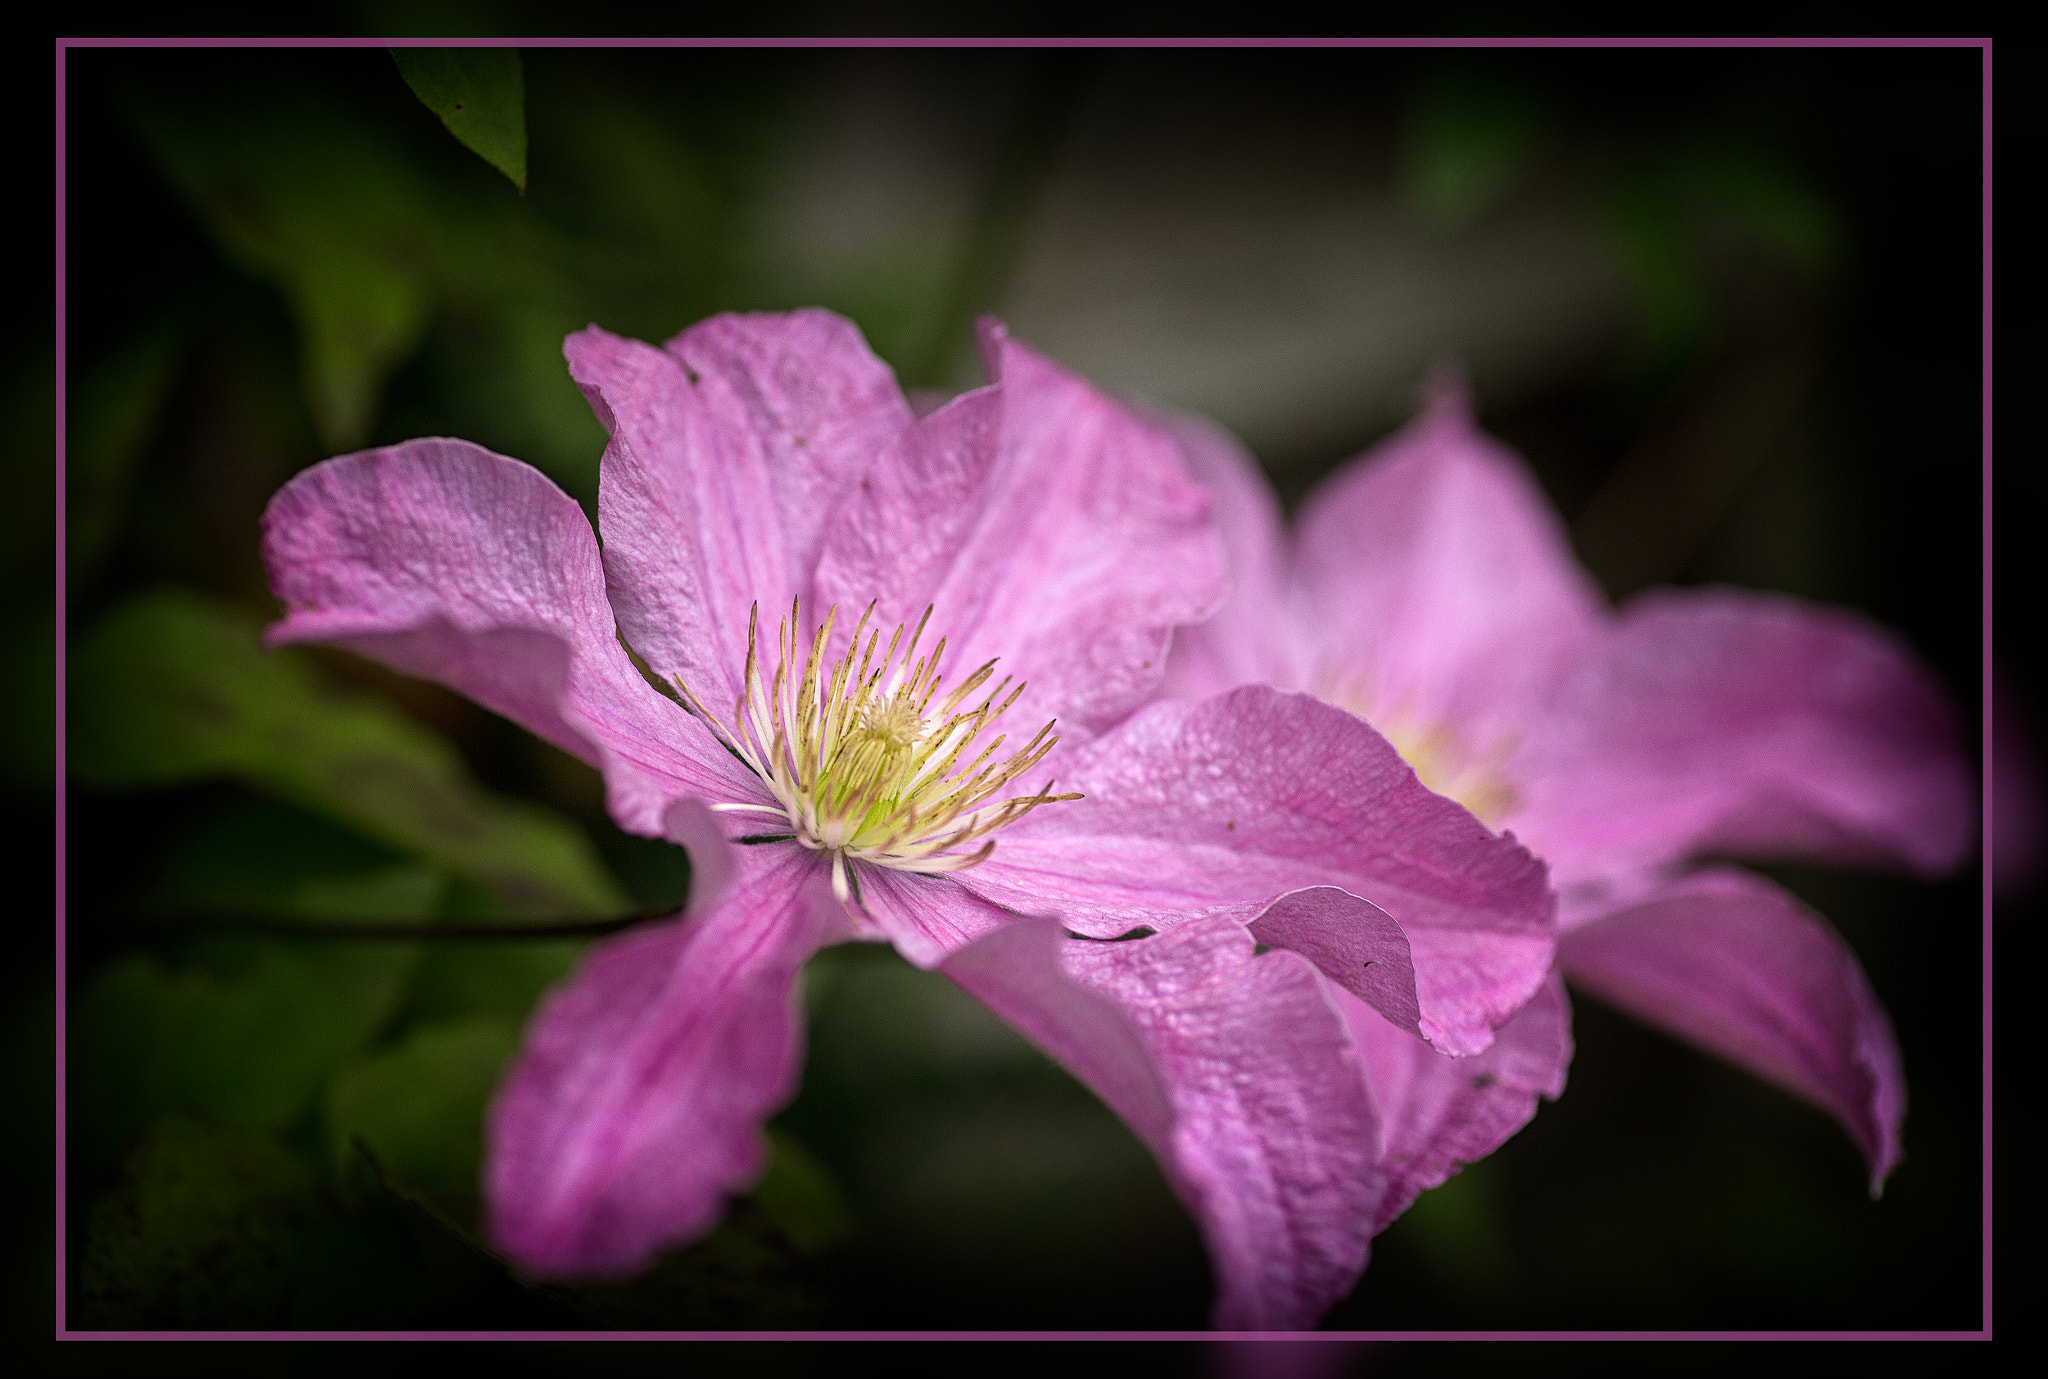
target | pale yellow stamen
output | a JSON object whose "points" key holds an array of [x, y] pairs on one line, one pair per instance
{"points": [[862, 762], [1453, 764]]}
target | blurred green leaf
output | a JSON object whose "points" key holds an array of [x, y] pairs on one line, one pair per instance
{"points": [[419, 1106], [744, 1275], [1457, 1228], [497, 361], [1668, 280], [318, 200], [480, 95], [249, 1039], [205, 1227], [1671, 213], [259, 857], [1468, 140], [111, 411], [172, 688], [1754, 192], [801, 1198], [498, 979]]}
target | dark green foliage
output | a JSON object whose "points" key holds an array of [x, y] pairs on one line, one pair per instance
{"points": [[744, 1276], [172, 688], [249, 1036], [276, 255], [419, 1105], [480, 94], [204, 1227]]}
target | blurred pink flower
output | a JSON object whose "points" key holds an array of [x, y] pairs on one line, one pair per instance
{"points": [[834, 783], [1428, 587]]}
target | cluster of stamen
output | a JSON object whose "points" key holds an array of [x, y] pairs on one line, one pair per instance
{"points": [[862, 762]]}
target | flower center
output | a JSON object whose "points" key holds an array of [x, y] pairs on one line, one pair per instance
{"points": [[864, 757], [1451, 763]]}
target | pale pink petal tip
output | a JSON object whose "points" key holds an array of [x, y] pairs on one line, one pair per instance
{"points": [[1720, 721], [634, 1107], [1727, 961], [1237, 1071]]}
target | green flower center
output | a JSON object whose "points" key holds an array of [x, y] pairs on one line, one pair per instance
{"points": [[865, 758]]}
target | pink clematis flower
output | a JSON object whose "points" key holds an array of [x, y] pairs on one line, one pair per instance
{"points": [[761, 661], [1428, 587]]}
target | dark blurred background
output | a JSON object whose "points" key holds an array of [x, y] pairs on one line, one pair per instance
{"points": [[1725, 302]]}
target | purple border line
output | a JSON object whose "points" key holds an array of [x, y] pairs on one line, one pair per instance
{"points": [[59, 761], [1983, 46], [1022, 41], [1984, 383], [1275, 1337]]}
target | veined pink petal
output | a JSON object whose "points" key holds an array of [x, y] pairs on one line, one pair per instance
{"points": [[634, 1107], [1271, 1133], [1727, 961], [1014, 969], [448, 562], [1257, 793], [1436, 581], [1251, 639], [924, 918], [1437, 1114], [823, 406], [730, 448], [1068, 554], [1750, 724], [900, 532], [1350, 940]]}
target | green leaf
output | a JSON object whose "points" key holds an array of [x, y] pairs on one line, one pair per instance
{"points": [[480, 95], [745, 1275], [249, 1037], [173, 688], [258, 857], [1457, 1228], [308, 195], [500, 979], [1667, 278], [1757, 194], [801, 1198], [112, 410], [205, 1227], [419, 1106], [1468, 141]]}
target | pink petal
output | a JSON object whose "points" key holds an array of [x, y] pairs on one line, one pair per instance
{"points": [[730, 448], [820, 402], [1436, 580], [1067, 552], [1251, 639], [1014, 969], [1718, 721], [1351, 941], [1257, 793], [1727, 961], [448, 562], [1437, 1114], [899, 534], [634, 1107], [925, 919], [1270, 1136]]}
